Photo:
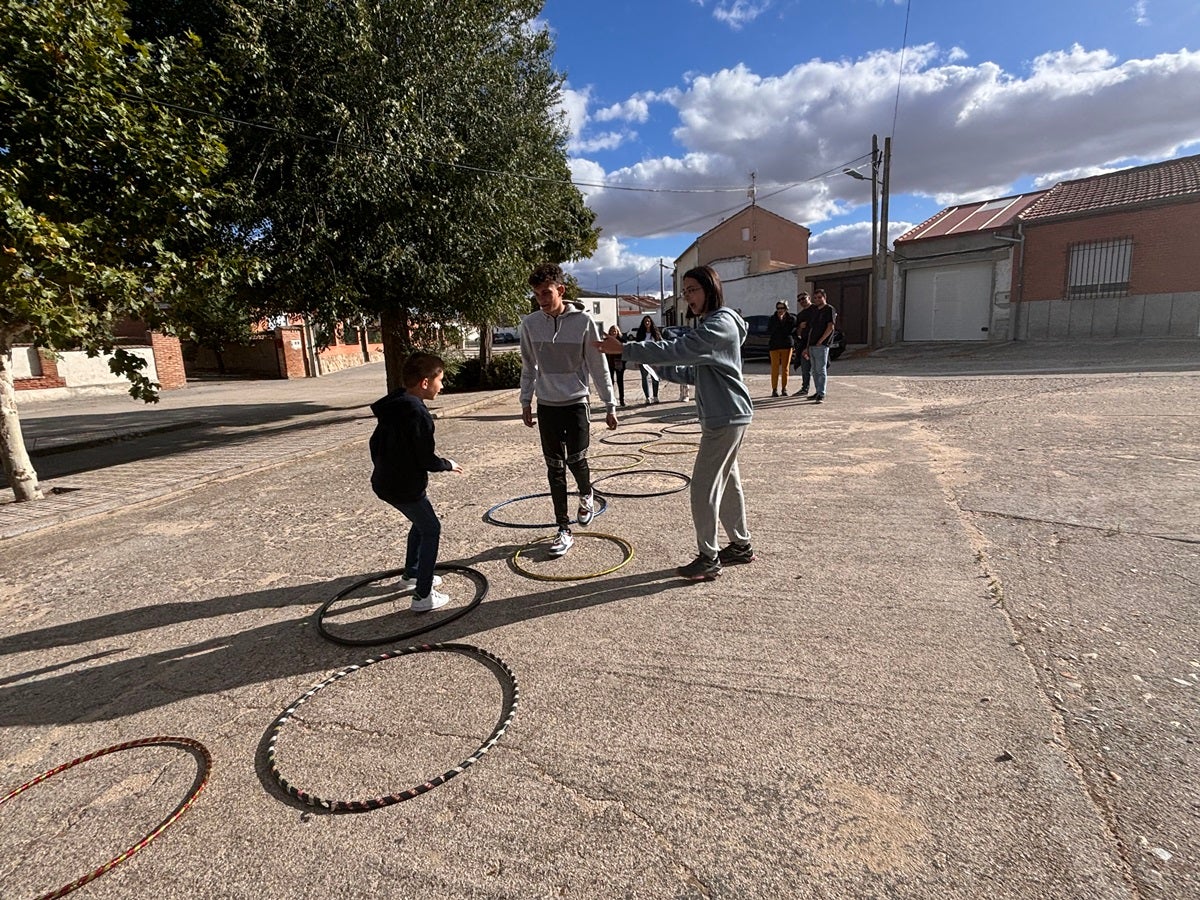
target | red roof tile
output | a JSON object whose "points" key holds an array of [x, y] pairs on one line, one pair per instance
{"points": [[1144, 184]]}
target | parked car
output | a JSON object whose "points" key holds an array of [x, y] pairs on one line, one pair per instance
{"points": [[757, 344], [504, 337]]}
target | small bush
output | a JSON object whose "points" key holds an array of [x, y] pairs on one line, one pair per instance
{"points": [[462, 374], [504, 371]]}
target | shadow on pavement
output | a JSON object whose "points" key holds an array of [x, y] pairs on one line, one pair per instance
{"points": [[228, 661]]}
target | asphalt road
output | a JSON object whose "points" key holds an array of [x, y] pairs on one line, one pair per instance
{"points": [[965, 664]]}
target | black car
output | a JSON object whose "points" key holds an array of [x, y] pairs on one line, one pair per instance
{"points": [[757, 343]]}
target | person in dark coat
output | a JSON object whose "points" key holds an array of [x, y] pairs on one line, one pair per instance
{"points": [[780, 328], [403, 454]]}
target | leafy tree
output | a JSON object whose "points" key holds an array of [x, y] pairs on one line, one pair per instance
{"points": [[373, 190], [102, 190]]}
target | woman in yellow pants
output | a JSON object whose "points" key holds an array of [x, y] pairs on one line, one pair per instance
{"points": [[779, 335]]}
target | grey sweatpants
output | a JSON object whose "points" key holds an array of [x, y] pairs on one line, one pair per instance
{"points": [[717, 489]]}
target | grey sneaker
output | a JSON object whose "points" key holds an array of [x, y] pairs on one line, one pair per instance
{"points": [[702, 568], [562, 542], [587, 508], [735, 554], [435, 600]]}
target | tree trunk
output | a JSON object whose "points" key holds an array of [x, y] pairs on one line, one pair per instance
{"points": [[393, 321], [17, 467]]}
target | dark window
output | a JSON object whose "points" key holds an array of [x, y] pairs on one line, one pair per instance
{"points": [[1099, 269]]}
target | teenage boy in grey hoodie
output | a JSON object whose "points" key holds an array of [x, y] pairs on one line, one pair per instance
{"points": [[558, 353], [710, 357]]}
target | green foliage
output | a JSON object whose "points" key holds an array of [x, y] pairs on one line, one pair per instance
{"points": [[504, 371], [378, 191], [104, 193], [470, 374]]}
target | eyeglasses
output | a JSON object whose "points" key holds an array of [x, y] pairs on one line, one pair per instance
{"points": [[691, 290], [781, 307]]}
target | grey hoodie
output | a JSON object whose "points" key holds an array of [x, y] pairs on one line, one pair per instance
{"points": [[557, 355], [710, 357]]}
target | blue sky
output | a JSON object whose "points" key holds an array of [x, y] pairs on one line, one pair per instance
{"points": [[684, 98]]}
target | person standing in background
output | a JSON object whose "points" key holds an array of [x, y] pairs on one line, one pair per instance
{"points": [[799, 360], [616, 368], [780, 329], [648, 331], [819, 331]]}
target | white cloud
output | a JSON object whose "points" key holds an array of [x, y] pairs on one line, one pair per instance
{"points": [[963, 131], [614, 263], [608, 140], [737, 13], [1141, 12], [635, 109]]}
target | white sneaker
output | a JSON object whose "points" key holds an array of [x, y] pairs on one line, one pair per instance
{"points": [[561, 543], [435, 600], [412, 582], [587, 508]]}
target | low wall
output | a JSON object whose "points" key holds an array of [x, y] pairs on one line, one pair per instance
{"points": [[1147, 315]]}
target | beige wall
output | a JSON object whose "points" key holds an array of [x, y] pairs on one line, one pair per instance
{"points": [[760, 235]]}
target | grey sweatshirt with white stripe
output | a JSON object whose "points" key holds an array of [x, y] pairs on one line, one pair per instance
{"points": [[557, 355]]}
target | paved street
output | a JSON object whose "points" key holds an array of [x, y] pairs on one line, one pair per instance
{"points": [[966, 663]]}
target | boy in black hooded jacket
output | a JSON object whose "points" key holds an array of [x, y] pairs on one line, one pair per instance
{"points": [[403, 452]]}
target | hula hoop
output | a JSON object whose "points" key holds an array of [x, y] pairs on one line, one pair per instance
{"points": [[609, 439], [620, 542], [687, 479], [506, 716], [634, 456], [492, 520], [202, 773], [651, 448], [678, 427], [481, 589], [680, 414]]}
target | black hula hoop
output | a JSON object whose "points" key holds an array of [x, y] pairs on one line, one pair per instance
{"points": [[481, 589], [202, 773], [356, 806], [636, 457], [608, 439], [492, 520], [678, 427], [687, 479], [654, 448], [625, 546]]}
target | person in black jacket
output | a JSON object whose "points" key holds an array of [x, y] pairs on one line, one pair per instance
{"points": [[779, 336], [403, 454]]}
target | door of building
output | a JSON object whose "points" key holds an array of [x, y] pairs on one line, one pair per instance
{"points": [[849, 297]]}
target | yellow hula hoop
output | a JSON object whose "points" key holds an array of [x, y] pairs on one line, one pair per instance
{"points": [[637, 458], [536, 576], [649, 448]]}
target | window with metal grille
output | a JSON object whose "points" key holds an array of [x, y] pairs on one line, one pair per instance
{"points": [[1099, 269]]}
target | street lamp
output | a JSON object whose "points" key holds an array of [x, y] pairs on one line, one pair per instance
{"points": [[878, 333]]}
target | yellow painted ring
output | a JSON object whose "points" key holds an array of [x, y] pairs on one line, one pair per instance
{"points": [[637, 458], [536, 576], [649, 448]]}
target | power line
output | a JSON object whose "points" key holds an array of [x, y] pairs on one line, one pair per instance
{"points": [[900, 74]]}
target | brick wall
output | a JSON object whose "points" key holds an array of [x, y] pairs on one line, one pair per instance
{"points": [[1164, 250], [1163, 299], [168, 361], [48, 379]]}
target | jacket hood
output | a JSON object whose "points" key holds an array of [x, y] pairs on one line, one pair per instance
{"points": [[392, 403]]}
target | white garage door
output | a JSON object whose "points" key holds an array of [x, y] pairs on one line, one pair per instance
{"points": [[952, 303]]}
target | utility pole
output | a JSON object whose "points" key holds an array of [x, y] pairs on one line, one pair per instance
{"points": [[885, 337]]}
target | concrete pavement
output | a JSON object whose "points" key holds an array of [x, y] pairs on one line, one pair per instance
{"points": [[941, 678]]}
